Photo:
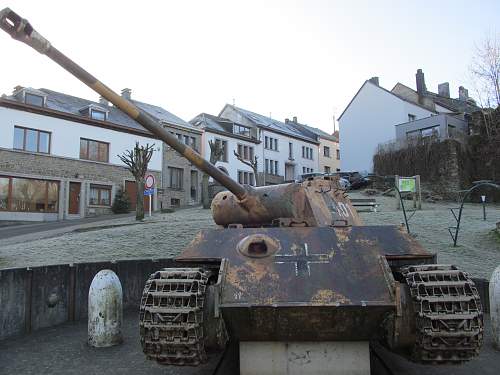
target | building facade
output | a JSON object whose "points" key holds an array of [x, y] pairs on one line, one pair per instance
{"points": [[376, 116], [284, 152], [233, 138], [59, 155]]}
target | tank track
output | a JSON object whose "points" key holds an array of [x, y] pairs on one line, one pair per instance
{"points": [[171, 316], [449, 316]]}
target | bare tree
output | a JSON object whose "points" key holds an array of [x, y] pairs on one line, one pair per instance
{"points": [[485, 68], [252, 164], [216, 152], [137, 161]]}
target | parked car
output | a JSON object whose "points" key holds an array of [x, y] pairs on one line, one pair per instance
{"points": [[356, 179], [344, 183]]}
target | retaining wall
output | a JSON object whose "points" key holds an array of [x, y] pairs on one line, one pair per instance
{"points": [[38, 297]]}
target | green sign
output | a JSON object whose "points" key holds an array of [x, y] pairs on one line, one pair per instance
{"points": [[407, 184]]}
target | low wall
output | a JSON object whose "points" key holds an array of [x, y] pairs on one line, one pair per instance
{"points": [[38, 297]]}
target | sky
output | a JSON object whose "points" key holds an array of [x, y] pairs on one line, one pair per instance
{"points": [[278, 58]]}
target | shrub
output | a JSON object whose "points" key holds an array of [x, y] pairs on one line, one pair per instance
{"points": [[121, 203]]}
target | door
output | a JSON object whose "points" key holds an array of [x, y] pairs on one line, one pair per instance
{"points": [[131, 189], [74, 198]]}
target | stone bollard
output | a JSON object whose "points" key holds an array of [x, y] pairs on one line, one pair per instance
{"points": [[495, 306], [105, 310]]}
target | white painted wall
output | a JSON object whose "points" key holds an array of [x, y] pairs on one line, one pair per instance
{"points": [[370, 120], [233, 165], [282, 154], [65, 139]]}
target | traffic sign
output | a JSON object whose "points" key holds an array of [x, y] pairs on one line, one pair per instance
{"points": [[149, 191], [150, 181]]}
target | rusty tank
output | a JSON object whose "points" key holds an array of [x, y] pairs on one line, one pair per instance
{"points": [[291, 263]]}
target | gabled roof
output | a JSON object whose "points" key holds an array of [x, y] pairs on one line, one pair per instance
{"points": [[72, 105], [315, 131], [219, 125], [387, 91], [265, 122], [455, 105]]}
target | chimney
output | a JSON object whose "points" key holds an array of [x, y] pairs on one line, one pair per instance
{"points": [[127, 94], [444, 89], [295, 119], [16, 89], [421, 89], [287, 120], [374, 80], [463, 93], [103, 101]]}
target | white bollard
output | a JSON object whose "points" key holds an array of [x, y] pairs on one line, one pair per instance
{"points": [[105, 310], [495, 306]]}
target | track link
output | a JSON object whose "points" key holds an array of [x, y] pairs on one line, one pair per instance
{"points": [[449, 315], [171, 316]]}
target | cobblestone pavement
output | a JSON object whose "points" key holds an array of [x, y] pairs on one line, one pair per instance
{"points": [[167, 234]]}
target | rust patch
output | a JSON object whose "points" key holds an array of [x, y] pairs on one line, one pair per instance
{"points": [[327, 296]]}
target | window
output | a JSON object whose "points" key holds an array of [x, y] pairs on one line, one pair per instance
{"points": [[338, 154], [290, 150], [100, 195], [4, 193], [327, 169], [271, 143], [271, 166], [427, 132], [176, 175], [28, 195], [246, 178], [194, 184], [193, 142], [246, 152], [97, 115], [31, 140], [174, 202], [307, 152], [223, 144], [179, 136], [186, 140], [94, 150], [307, 170], [411, 117], [326, 151], [241, 130], [33, 99]]}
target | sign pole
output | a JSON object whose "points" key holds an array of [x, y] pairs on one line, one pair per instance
{"points": [[150, 205], [483, 199]]}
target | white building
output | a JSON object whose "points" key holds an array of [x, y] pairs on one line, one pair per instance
{"points": [[371, 117], [59, 154], [284, 152], [233, 137]]}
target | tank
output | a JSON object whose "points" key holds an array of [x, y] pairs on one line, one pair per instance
{"points": [[291, 263]]}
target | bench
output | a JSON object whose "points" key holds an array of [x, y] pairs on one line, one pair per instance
{"points": [[365, 202]]}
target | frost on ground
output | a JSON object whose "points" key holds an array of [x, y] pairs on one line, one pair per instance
{"points": [[478, 251]]}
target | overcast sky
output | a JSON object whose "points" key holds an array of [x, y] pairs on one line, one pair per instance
{"points": [[284, 58]]}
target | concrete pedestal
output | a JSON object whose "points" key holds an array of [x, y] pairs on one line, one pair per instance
{"points": [[302, 358]]}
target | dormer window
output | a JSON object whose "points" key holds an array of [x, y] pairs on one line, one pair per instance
{"points": [[241, 130], [33, 99], [97, 115], [94, 112]]}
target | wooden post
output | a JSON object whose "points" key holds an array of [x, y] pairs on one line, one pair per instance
{"points": [[419, 192], [396, 183]]}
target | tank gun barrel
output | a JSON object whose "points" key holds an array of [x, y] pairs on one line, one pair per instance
{"points": [[21, 30]]}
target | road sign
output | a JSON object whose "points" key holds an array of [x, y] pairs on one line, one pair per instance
{"points": [[149, 191], [150, 181]]}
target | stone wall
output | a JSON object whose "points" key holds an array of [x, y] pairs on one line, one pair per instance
{"points": [[33, 165]]}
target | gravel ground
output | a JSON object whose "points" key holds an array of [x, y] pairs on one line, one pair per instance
{"points": [[166, 235]]}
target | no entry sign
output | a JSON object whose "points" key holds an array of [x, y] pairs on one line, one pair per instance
{"points": [[150, 181]]}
